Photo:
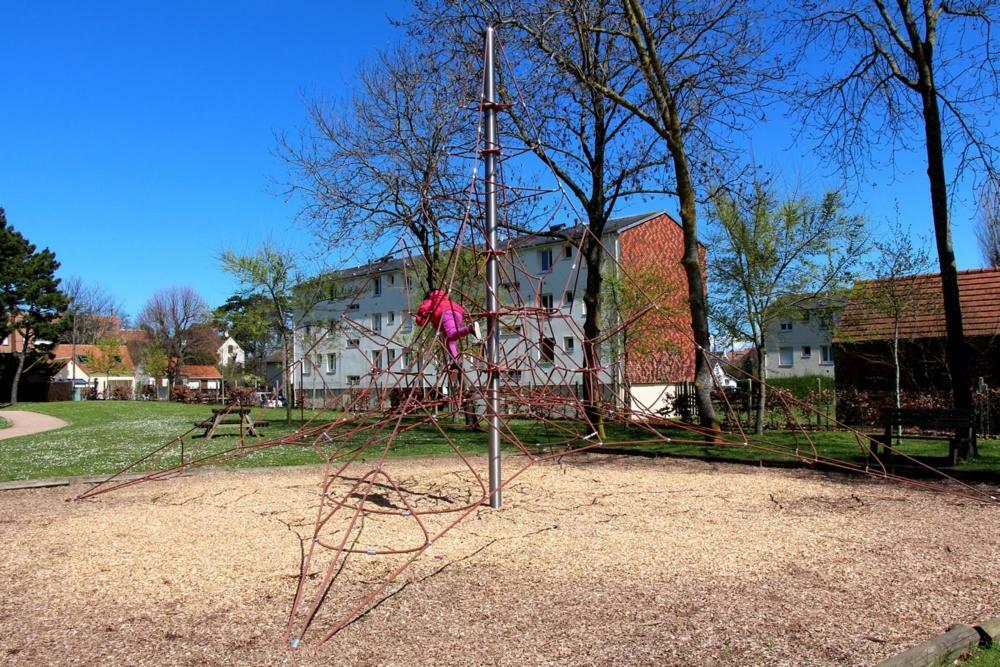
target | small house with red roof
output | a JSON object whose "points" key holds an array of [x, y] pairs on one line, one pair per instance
{"points": [[109, 372], [207, 380]]}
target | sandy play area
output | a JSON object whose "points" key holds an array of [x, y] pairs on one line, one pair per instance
{"points": [[600, 560]]}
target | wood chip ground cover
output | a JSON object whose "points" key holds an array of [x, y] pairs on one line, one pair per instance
{"points": [[600, 560]]}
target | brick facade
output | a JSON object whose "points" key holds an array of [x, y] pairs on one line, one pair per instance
{"points": [[660, 343]]}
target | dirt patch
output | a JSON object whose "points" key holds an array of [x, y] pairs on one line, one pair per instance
{"points": [[598, 560]]}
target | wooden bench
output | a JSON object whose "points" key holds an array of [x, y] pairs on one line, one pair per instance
{"points": [[230, 417], [957, 427]]}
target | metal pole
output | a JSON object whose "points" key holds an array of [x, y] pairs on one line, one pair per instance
{"points": [[490, 151]]}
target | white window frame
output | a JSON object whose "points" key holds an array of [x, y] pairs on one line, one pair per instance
{"points": [[569, 344], [377, 286], [782, 357], [354, 343], [826, 355], [786, 325], [376, 321], [806, 351], [331, 363]]}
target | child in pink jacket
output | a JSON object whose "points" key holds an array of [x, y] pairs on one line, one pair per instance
{"points": [[448, 315]]}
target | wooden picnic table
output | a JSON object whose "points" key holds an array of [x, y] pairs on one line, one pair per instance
{"points": [[238, 417]]}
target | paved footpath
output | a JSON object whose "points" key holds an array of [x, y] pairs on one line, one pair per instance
{"points": [[26, 423]]}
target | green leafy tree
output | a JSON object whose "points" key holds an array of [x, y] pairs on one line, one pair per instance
{"points": [[32, 304], [247, 319], [271, 273], [155, 362], [769, 257], [108, 361]]}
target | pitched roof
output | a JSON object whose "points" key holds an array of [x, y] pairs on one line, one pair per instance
{"points": [[541, 237], [85, 354], [200, 372], [979, 293]]}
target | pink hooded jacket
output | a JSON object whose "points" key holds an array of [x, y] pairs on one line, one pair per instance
{"points": [[434, 306]]}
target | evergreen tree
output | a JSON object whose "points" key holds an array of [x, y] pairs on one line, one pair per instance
{"points": [[30, 301]]}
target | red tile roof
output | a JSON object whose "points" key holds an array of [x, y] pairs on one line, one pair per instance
{"points": [[64, 352], [979, 291], [200, 372]]}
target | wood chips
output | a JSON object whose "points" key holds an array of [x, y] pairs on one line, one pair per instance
{"points": [[599, 560]]}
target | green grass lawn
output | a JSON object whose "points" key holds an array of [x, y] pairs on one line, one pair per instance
{"points": [[983, 657], [105, 436]]}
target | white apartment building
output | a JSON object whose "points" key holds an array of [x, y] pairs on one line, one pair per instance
{"points": [[364, 337], [801, 344]]}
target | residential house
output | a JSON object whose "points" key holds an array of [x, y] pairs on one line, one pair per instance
{"points": [[359, 337], [865, 333], [87, 366], [206, 380], [230, 352], [800, 343]]}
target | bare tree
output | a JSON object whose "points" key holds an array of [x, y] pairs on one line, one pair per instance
{"points": [[897, 291], [597, 148], [93, 315], [988, 229], [703, 71], [169, 317], [381, 166], [903, 72]]}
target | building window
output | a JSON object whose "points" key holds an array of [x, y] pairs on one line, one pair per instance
{"points": [[407, 324], [353, 380], [306, 366], [807, 351], [545, 259], [229, 348], [826, 354], [331, 363], [547, 352], [391, 318], [308, 330], [353, 342], [376, 321], [392, 278], [377, 359], [407, 358], [546, 301], [353, 306], [785, 357], [568, 299], [390, 356], [377, 286], [786, 325], [514, 376], [568, 252], [569, 344]]}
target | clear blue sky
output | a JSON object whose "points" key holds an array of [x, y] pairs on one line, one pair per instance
{"points": [[137, 138]]}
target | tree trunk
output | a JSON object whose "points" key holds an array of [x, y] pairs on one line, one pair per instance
{"points": [[697, 295], [289, 392], [673, 132], [758, 422], [957, 358], [592, 253], [18, 371]]}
